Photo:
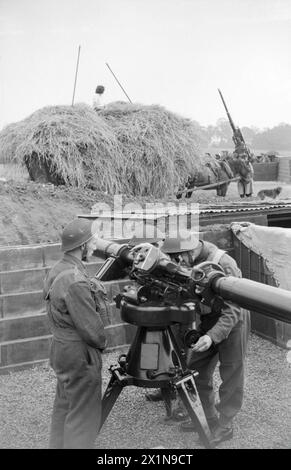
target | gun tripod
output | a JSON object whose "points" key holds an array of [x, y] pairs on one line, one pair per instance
{"points": [[154, 360]]}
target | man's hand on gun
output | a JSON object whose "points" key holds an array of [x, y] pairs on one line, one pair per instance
{"points": [[203, 344]]}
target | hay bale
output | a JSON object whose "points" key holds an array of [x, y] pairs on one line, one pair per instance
{"points": [[130, 148], [161, 149], [65, 144]]}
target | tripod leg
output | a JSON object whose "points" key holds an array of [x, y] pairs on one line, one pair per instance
{"points": [[189, 395], [110, 396], [166, 395]]}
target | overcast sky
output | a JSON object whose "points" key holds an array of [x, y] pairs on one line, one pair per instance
{"points": [[175, 53]]}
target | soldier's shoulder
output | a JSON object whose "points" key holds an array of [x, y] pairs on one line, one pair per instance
{"points": [[227, 259], [209, 247], [78, 276], [72, 275], [229, 265]]}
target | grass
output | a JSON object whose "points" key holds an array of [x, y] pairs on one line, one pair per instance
{"points": [[263, 423]]}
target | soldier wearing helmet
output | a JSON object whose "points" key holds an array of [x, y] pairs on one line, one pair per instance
{"points": [[78, 341], [223, 338], [183, 248]]}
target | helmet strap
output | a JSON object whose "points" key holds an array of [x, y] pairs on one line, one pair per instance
{"points": [[84, 252]]}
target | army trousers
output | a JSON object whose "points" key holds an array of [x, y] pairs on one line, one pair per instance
{"points": [[245, 188], [76, 413], [230, 354]]}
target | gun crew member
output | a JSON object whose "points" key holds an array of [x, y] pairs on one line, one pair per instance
{"points": [[223, 340], [78, 341], [245, 184]]}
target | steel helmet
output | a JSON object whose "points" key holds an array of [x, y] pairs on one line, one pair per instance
{"points": [[76, 233], [185, 241]]}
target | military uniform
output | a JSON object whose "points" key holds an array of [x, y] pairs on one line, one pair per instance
{"points": [[245, 183], [78, 341], [229, 332]]}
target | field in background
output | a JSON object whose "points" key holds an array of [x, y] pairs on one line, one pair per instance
{"points": [[9, 171], [214, 150]]}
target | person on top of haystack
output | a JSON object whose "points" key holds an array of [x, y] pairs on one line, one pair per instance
{"points": [[75, 305], [223, 338], [98, 98]]}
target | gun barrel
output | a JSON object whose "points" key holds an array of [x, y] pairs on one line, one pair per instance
{"points": [[106, 248], [227, 112], [268, 300]]}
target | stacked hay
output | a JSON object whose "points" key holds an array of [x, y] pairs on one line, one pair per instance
{"points": [[127, 148], [161, 149], [65, 145]]}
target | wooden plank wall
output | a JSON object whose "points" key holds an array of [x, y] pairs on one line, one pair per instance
{"points": [[266, 171], [284, 171]]}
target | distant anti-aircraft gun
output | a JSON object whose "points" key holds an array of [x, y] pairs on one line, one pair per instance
{"points": [[237, 136]]}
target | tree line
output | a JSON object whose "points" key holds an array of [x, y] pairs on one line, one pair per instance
{"points": [[277, 138]]}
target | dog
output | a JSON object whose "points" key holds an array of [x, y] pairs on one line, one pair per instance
{"points": [[271, 193]]}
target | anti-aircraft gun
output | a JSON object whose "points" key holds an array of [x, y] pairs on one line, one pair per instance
{"points": [[237, 137], [163, 296]]}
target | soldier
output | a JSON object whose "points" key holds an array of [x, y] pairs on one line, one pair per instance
{"points": [[223, 338], [246, 173], [78, 341]]}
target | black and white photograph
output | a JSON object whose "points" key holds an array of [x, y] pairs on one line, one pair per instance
{"points": [[145, 227]]}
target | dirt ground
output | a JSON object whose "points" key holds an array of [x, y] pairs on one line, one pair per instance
{"points": [[36, 213]]}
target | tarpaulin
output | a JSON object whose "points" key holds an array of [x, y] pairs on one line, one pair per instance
{"points": [[272, 243]]}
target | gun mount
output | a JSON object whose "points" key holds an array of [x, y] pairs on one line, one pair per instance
{"points": [[163, 297]]}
